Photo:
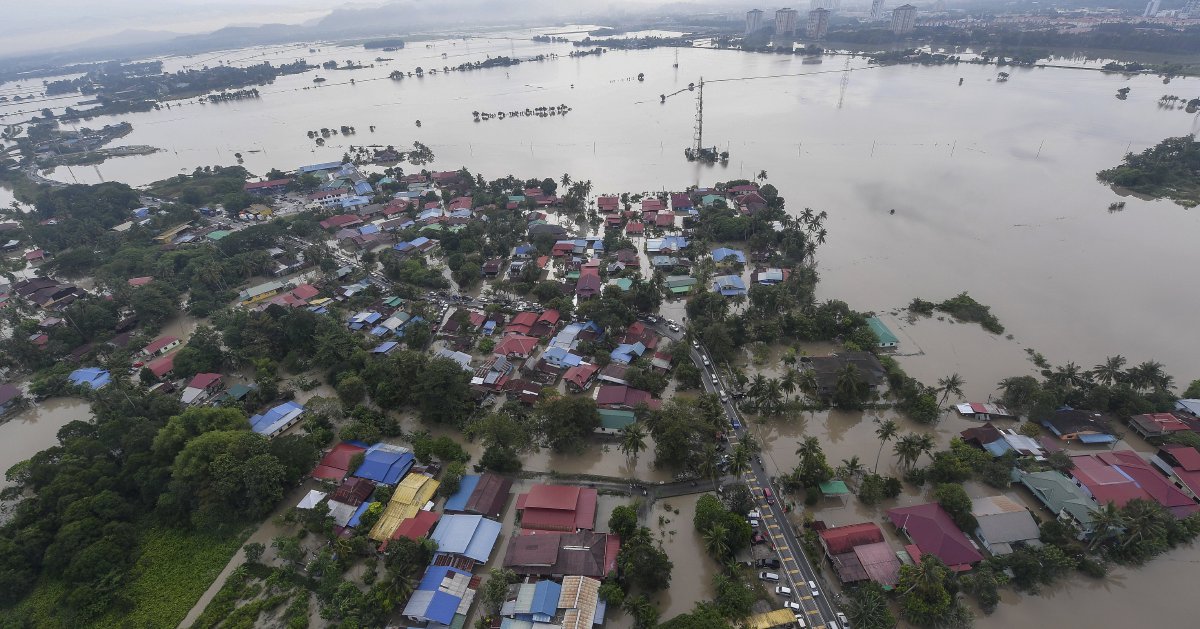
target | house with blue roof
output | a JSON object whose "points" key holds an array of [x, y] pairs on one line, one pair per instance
{"points": [[315, 168], [729, 285], [385, 464], [386, 347], [93, 378], [443, 593], [666, 244], [561, 357], [626, 353], [461, 213], [363, 320], [723, 254], [369, 228], [458, 501], [568, 337], [467, 535], [535, 603], [524, 252], [363, 187], [355, 201], [277, 420], [463, 359]]}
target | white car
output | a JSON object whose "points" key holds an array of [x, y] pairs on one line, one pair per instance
{"points": [[753, 522], [842, 619], [783, 590], [754, 514], [793, 605], [800, 622], [812, 585]]}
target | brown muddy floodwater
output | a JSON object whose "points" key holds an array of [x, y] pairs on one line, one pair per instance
{"points": [[36, 428]]}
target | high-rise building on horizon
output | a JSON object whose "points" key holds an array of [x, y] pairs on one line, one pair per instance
{"points": [[876, 9], [1190, 10], [753, 21], [786, 22], [832, 5], [904, 19], [818, 23], [1152, 8]]}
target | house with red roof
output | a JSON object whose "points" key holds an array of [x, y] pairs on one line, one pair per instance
{"points": [[680, 201], [266, 187], [558, 508], [639, 332], [521, 323], [623, 397], [635, 228], [341, 221], [35, 257], [744, 188], [858, 553], [202, 387], [305, 292], [1123, 475], [335, 465], [139, 281], [931, 530], [516, 346], [160, 346], [546, 323], [608, 205], [162, 366], [1157, 425], [1181, 464], [589, 284], [664, 220], [580, 377], [653, 204]]}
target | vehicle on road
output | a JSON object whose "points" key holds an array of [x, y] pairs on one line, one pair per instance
{"points": [[768, 576], [757, 539], [812, 585], [793, 605], [842, 619], [783, 590], [696, 344], [770, 496], [800, 622], [737, 425], [715, 379], [753, 522], [754, 514], [724, 398]]}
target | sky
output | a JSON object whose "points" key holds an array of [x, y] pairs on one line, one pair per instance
{"points": [[30, 27]]}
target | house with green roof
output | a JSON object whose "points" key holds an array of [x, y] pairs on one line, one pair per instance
{"points": [[680, 284], [623, 283], [887, 340], [613, 421], [216, 236], [1070, 504]]}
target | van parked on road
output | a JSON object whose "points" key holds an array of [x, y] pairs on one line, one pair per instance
{"points": [[768, 495]]}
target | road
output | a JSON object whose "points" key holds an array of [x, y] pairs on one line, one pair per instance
{"points": [[795, 570]]}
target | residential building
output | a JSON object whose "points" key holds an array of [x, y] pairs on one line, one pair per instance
{"points": [[729, 285], [202, 387], [580, 377], [876, 9], [623, 397], [335, 465], [10, 398], [1157, 425], [859, 553], [385, 464], [613, 421], [754, 23], [93, 378], [722, 254], [1181, 464], [1004, 524], [1123, 475], [1151, 8], [443, 595], [160, 346], [485, 494], [818, 23], [1070, 424], [584, 554], [932, 531], [258, 293], [904, 19], [999, 442], [558, 508], [410, 497], [985, 411], [1062, 497], [827, 369], [277, 419], [471, 536], [786, 22]]}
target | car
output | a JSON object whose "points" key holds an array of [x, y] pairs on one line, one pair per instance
{"points": [[737, 425], [842, 619], [754, 514], [724, 398], [753, 522], [793, 605], [800, 622], [769, 563], [768, 576], [715, 379], [758, 538], [812, 585], [696, 344], [783, 590], [769, 495], [704, 359]]}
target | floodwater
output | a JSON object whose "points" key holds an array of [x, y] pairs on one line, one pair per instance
{"points": [[993, 187], [36, 428], [691, 576]]}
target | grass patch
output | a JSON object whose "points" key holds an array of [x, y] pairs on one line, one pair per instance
{"points": [[172, 572]]}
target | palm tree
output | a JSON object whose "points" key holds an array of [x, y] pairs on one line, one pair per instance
{"points": [[926, 444], [788, 382], [1141, 521], [1110, 371], [758, 386], [851, 467], [773, 396], [806, 382], [762, 175], [886, 431], [950, 384], [850, 389], [1069, 375], [808, 448], [1106, 522], [740, 460], [907, 450], [633, 442], [821, 234], [566, 180], [716, 541]]}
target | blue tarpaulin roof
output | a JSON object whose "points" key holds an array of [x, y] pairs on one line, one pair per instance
{"points": [[458, 501], [472, 536], [429, 601], [92, 377], [275, 419], [384, 466], [362, 508]]}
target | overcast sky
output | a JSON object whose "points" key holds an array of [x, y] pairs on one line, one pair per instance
{"points": [[30, 26]]}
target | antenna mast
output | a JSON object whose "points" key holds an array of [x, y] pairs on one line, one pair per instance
{"points": [[700, 117]]}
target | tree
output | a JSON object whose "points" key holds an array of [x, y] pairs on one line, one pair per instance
{"points": [[1110, 371], [633, 442], [254, 552], [850, 391], [443, 392], [850, 468], [867, 607], [908, 450], [885, 431], [924, 598], [716, 541], [452, 478], [351, 389], [623, 521], [643, 564], [733, 598], [950, 384], [1193, 390], [813, 468], [566, 423], [954, 499], [644, 613], [495, 589]]}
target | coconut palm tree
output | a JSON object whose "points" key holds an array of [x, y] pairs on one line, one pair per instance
{"points": [[739, 461], [633, 442], [850, 390], [1110, 371], [788, 382], [1141, 522], [807, 215], [758, 386], [566, 180], [1069, 375], [762, 175], [950, 384], [886, 431], [808, 448], [926, 444], [908, 450], [821, 234], [716, 541], [806, 382], [772, 396], [851, 467], [1107, 521]]}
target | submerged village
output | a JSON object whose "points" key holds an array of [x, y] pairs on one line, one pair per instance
{"points": [[342, 395]]}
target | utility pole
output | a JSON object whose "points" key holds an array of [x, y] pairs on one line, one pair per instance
{"points": [[700, 117]]}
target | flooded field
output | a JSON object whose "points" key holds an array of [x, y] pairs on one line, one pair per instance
{"points": [[36, 428]]}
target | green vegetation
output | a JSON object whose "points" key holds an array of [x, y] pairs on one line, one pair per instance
{"points": [[1169, 169], [961, 307]]}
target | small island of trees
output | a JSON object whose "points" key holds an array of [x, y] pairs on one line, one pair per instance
{"points": [[1167, 170]]}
